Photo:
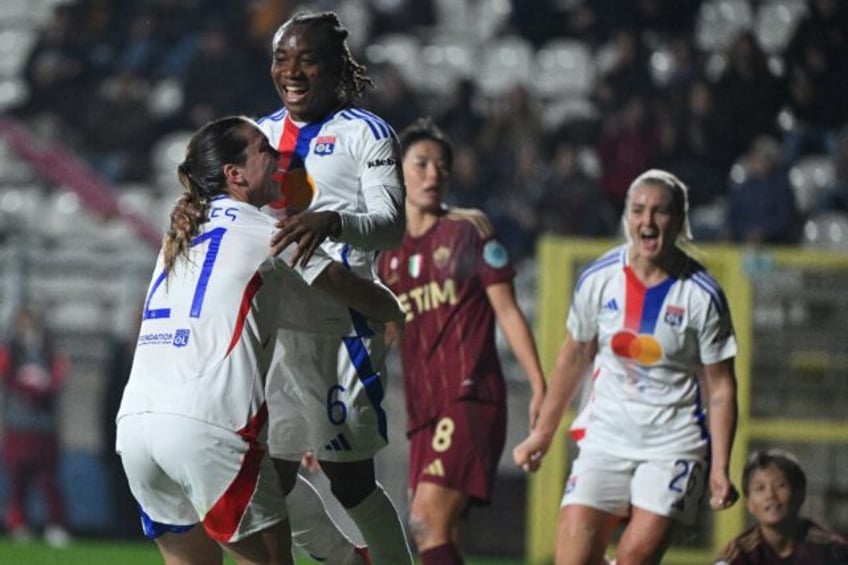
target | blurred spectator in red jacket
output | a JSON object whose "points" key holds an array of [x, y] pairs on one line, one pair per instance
{"points": [[32, 371]]}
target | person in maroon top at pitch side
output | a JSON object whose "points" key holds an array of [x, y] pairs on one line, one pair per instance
{"points": [[453, 277]]}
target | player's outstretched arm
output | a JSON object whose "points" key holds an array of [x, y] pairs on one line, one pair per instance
{"points": [[572, 361], [514, 326], [369, 298], [722, 412]]}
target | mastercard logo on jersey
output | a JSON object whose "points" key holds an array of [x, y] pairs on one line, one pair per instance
{"points": [[297, 189], [642, 348]]}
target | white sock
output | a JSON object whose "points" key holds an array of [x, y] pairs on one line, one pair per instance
{"points": [[313, 530], [379, 524]]}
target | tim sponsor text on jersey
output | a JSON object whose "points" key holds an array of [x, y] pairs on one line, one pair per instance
{"points": [[428, 296]]}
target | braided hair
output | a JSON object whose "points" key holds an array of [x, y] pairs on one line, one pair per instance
{"points": [[353, 79], [223, 141]]}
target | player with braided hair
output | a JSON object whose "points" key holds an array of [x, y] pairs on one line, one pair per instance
{"points": [[342, 192], [192, 425]]}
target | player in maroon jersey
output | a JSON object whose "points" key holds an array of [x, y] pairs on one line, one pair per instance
{"points": [[775, 487], [454, 279]]}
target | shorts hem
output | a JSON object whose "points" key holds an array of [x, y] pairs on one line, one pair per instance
{"points": [[241, 535], [595, 506]]}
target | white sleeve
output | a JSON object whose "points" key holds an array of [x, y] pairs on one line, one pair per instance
{"points": [[316, 265], [582, 320], [381, 182], [717, 339]]}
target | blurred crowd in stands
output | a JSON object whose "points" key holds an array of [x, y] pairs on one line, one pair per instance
{"points": [[111, 77]]}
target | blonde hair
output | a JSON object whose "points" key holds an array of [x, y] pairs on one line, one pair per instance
{"points": [[679, 199]]}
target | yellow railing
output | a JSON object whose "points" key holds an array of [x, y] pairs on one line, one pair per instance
{"points": [[559, 262]]}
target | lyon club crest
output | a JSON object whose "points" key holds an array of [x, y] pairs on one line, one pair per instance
{"points": [[674, 316]]}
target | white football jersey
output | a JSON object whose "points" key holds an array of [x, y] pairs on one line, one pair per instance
{"points": [[207, 331], [646, 398], [349, 163]]}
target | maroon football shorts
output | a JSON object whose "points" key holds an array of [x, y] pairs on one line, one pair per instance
{"points": [[461, 449]]}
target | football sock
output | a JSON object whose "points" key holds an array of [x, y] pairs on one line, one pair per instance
{"points": [[446, 554], [312, 528], [379, 524]]}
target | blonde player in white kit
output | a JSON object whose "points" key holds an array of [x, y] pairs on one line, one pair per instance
{"points": [[342, 191], [648, 318], [192, 424]]}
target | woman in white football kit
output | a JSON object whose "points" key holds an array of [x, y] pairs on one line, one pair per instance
{"points": [[647, 318], [193, 419], [342, 192]]}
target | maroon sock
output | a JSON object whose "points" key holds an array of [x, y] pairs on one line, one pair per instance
{"points": [[446, 554]]}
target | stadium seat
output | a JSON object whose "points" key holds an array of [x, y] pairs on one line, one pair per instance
{"points": [[719, 21], [63, 217], [12, 12], [556, 113], [481, 19], [809, 177], [402, 51], [775, 22], [826, 230], [14, 171], [443, 61], [166, 98], [13, 91], [708, 220], [15, 46], [21, 203], [167, 153], [564, 68], [505, 62], [137, 199], [78, 316], [490, 17]]}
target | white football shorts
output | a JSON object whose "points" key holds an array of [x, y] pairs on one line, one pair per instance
{"points": [[672, 488], [325, 394], [183, 471]]}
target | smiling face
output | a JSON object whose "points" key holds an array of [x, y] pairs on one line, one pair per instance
{"points": [[425, 173], [306, 71], [771, 499], [652, 221]]}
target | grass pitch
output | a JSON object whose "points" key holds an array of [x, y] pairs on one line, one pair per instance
{"points": [[97, 552]]}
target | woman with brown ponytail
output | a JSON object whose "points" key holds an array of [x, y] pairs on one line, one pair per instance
{"points": [[192, 423]]}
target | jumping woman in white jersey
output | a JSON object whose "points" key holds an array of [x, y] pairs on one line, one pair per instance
{"points": [[192, 424], [341, 192], [647, 318]]}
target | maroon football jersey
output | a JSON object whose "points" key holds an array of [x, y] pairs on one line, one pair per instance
{"points": [[448, 344], [817, 546]]}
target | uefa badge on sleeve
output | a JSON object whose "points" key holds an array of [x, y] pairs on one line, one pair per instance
{"points": [[495, 254]]}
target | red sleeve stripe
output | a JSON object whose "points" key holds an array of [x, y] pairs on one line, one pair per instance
{"points": [[244, 309]]}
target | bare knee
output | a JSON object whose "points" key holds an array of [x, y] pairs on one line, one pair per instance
{"points": [[189, 548], [583, 534], [629, 554], [434, 515], [425, 529]]}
